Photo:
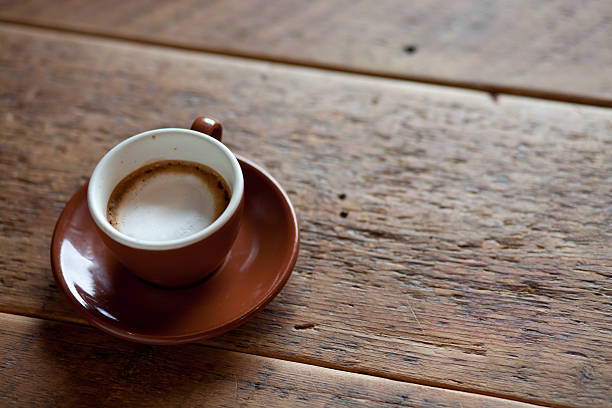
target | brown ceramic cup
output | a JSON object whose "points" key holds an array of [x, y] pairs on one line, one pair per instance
{"points": [[183, 261]]}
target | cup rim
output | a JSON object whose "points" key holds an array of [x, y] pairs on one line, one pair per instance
{"points": [[116, 235]]}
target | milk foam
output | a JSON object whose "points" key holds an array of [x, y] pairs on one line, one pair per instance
{"points": [[167, 206]]}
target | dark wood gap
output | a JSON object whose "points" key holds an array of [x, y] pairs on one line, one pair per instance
{"points": [[491, 89], [405, 379], [319, 363]]}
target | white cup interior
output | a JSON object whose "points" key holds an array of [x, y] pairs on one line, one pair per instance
{"points": [[149, 147]]}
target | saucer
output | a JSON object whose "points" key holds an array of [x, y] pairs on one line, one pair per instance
{"points": [[116, 301]]}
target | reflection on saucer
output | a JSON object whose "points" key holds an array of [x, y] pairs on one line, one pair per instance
{"points": [[119, 303]]}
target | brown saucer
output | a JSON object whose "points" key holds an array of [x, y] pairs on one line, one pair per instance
{"points": [[119, 303]]}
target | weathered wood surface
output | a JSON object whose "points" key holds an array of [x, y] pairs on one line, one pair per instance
{"points": [[46, 364], [448, 239], [526, 46]]}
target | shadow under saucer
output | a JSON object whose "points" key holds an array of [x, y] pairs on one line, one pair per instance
{"points": [[116, 301]]}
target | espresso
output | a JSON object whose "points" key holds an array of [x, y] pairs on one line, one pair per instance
{"points": [[167, 200]]}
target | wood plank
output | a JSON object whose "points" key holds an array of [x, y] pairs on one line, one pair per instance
{"points": [[554, 49], [471, 249], [52, 364]]}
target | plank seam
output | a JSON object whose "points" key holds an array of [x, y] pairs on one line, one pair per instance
{"points": [[318, 363], [493, 90]]}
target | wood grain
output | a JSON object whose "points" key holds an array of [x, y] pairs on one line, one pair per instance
{"points": [[555, 49], [51, 364], [448, 239]]}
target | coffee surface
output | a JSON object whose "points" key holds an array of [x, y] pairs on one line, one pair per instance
{"points": [[167, 200]]}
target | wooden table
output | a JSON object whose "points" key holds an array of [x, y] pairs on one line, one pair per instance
{"points": [[456, 241]]}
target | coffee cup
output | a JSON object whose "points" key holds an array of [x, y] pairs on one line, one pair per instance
{"points": [[155, 199]]}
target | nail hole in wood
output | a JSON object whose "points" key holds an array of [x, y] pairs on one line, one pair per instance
{"points": [[343, 214], [410, 49], [342, 196]]}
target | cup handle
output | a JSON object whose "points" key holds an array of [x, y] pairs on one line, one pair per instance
{"points": [[208, 126]]}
